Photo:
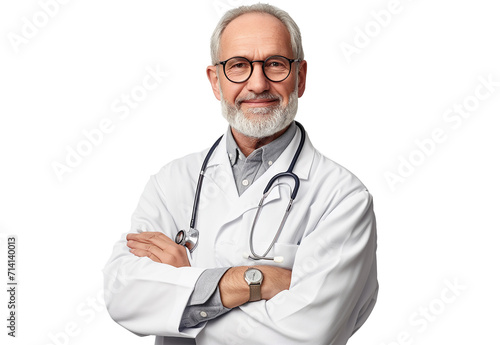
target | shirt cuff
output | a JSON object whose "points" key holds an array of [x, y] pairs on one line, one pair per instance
{"points": [[205, 302]]}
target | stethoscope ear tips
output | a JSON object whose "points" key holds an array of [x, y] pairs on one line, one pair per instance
{"points": [[278, 259]]}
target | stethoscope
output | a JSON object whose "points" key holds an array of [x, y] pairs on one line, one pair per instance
{"points": [[190, 238]]}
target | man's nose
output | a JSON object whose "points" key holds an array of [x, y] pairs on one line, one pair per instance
{"points": [[258, 82]]}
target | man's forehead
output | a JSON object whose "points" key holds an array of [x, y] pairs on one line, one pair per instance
{"points": [[253, 31]]}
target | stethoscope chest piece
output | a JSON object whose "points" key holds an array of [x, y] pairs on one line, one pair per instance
{"points": [[189, 238]]}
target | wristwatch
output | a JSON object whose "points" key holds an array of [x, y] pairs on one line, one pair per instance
{"points": [[254, 278]]}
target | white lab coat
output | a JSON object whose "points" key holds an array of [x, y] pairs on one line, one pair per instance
{"points": [[329, 242]]}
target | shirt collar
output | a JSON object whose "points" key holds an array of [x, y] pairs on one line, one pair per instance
{"points": [[268, 153]]}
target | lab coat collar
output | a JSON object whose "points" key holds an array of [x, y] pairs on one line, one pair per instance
{"points": [[266, 154], [302, 167]]}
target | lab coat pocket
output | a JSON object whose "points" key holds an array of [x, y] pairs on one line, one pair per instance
{"points": [[286, 251]]}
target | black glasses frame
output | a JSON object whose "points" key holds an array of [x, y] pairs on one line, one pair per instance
{"points": [[290, 61]]}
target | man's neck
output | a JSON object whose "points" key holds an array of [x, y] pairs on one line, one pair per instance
{"points": [[248, 144]]}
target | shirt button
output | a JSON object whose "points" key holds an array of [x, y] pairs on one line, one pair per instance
{"points": [[203, 314], [244, 182], [270, 162]]}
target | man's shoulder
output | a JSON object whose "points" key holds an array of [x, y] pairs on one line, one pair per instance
{"points": [[184, 165], [334, 176]]}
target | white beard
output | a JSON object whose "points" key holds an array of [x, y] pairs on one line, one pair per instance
{"points": [[269, 120]]}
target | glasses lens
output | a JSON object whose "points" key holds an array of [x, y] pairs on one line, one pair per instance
{"points": [[277, 68], [238, 69]]}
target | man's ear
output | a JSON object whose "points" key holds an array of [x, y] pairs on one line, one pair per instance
{"points": [[214, 80], [302, 78]]}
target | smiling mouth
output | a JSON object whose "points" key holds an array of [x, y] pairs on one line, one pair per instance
{"points": [[259, 102]]}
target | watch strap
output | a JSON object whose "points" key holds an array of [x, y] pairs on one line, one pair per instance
{"points": [[254, 292]]}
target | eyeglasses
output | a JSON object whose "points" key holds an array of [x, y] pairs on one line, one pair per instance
{"points": [[238, 69]]}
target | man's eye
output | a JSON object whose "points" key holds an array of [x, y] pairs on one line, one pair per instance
{"points": [[276, 64], [239, 65]]}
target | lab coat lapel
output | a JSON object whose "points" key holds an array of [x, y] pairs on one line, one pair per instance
{"points": [[220, 173]]}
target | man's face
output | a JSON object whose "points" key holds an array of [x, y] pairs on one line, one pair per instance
{"points": [[257, 107]]}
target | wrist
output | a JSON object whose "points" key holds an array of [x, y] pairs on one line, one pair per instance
{"points": [[254, 277], [233, 287]]}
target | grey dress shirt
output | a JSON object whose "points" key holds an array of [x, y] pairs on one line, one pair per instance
{"points": [[205, 302]]}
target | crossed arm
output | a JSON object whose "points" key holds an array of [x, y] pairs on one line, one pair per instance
{"points": [[234, 290], [334, 280]]}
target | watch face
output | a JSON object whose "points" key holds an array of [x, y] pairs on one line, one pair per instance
{"points": [[253, 275]]}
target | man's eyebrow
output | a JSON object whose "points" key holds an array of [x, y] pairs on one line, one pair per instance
{"points": [[252, 59]]}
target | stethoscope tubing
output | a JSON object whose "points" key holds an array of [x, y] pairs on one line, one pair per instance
{"points": [[190, 238], [200, 182], [293, 194]]}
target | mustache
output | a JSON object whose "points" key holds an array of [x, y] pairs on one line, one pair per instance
{"points": [[252, 96]]}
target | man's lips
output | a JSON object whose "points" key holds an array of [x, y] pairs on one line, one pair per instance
{"points": [[259, 102]]}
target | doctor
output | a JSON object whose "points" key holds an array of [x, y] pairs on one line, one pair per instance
{"points": [[240, 273]]}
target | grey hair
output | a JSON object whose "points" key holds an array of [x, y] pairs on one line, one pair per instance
{"points": [[284, 17]]}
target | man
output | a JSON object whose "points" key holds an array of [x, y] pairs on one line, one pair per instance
{"points": [[321, 285]]}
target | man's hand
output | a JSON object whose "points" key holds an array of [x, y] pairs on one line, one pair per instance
{"points": [[234, 290], [158, 247], [276, 279]]}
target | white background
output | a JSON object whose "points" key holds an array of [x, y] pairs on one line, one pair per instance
{"points": [[436, 227]]}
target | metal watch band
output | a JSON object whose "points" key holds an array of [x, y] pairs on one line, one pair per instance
{"points": [[254, 292]]}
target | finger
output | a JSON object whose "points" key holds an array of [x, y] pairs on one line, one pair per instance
{"points": [[147, 247], [134, 236], [139, 245], [157, 238], [150, 247], [143, 236], [144, 253]]}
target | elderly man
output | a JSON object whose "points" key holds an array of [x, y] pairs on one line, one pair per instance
{"points": [[296, 266]]}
